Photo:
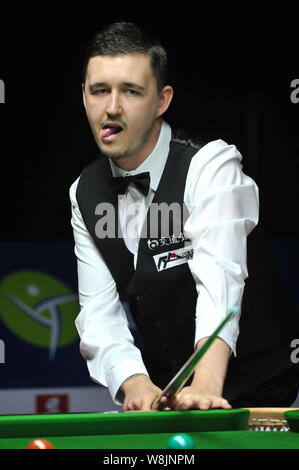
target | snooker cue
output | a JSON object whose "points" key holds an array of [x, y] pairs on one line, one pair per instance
{"points": [[179, 380]]}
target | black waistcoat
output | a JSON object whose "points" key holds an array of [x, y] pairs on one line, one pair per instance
{"points": [[163, 302]]}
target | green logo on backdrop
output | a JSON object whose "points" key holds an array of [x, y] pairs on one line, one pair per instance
{"points": [[39, 309]]}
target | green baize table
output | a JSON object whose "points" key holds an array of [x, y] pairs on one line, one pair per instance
{"points": [[212, 429]]}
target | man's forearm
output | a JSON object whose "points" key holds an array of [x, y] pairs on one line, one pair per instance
{"points": [[209, 375]]}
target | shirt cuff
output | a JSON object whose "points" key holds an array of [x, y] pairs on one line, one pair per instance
{"points": [[121, 372], [229, 333]]}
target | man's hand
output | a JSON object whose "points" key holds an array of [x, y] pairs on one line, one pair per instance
{"points": [[205, 391], [139, 393], [191, 398]]}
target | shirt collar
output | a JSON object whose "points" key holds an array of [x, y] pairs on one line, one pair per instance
{"points": [[154, 163]]}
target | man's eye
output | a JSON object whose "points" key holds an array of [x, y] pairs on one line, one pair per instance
{"points": [[101, 91], [132, 92]]}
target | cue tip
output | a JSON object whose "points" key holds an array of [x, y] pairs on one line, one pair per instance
{"points": [[234, 310]]}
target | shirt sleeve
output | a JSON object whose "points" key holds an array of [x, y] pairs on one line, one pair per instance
{"points": [[106, 342], [223, 207]]}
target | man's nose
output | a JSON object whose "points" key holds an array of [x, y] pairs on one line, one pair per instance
{"points": [[114, 105]]}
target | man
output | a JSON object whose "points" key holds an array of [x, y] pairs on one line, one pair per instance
{"points": [[181, 284]]}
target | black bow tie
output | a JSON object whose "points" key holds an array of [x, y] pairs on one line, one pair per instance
{"points": [[141, 181]]}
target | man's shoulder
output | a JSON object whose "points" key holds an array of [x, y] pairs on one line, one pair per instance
{"points": [[92, 171], [97, 162], [201, 145], [181, 137], [97, 169]]}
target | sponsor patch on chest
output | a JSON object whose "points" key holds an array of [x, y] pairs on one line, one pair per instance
{"points": [[170, 259]]}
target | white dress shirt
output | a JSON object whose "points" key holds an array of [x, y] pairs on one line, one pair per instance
{"points": [[223, 206]]}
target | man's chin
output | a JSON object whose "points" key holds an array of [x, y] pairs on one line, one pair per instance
{"points": [[115, 154]]}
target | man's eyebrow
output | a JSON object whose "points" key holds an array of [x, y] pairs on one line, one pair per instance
{"points": [[96, 85], [134, 85]]}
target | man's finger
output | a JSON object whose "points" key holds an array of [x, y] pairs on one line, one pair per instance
{"points": [[167, 403], [221, 403]]}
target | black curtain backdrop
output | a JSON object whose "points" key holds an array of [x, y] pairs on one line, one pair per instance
{"points": [[231, 70]]}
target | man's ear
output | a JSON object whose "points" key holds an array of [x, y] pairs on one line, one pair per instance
{"points": [[83, 94], [165, 98]]}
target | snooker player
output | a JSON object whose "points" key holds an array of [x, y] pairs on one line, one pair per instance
{"points": [[181, 284]]}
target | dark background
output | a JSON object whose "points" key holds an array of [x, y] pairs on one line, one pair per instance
{"points": [[231, 69]]}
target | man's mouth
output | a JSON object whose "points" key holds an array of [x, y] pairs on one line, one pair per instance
{"points": [[110, 131]]}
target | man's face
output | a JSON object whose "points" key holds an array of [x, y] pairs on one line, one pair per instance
{"points": [[122, 103]]}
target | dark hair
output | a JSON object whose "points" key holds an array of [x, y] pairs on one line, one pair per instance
{"points": [[127, 38]]}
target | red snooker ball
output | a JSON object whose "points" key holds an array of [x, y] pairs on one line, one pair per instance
{"points": [[40, 444]]}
